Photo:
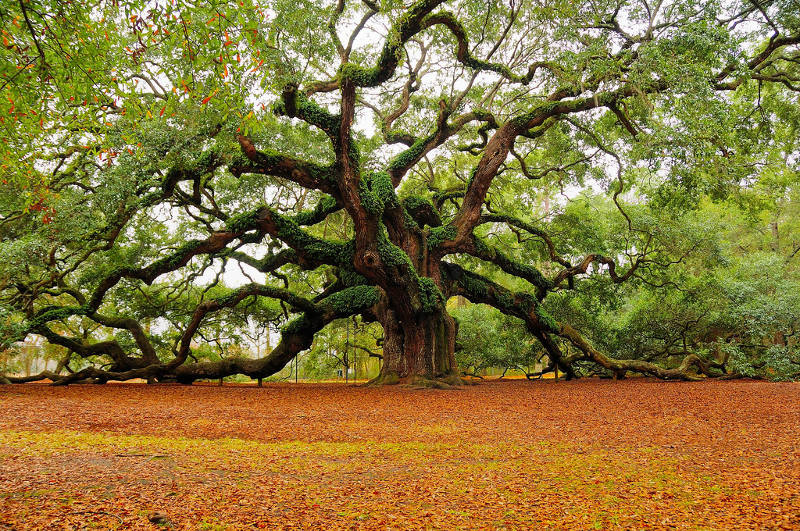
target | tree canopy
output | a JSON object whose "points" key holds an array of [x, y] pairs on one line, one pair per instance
{"points": [[600, 171]]}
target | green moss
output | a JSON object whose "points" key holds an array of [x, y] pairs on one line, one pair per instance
{"points": [[421, 210], [175, 260], [504, 298], [529, 273], [472, 176], [483, 250], [408, 157], [417, 202], [350, 277], [548, 109], [354, 153], [383, 189], [352, 300], [521, 121], [322, 173], [546, 319], [314, 114], [439, 235], [526, 302], [391, 255], [54, 314], [408, 221], [369, 200], [441, 197], [475, 288], [311, 112], [431, 297], [298, 325], [358, 75], [329, 252], [534, 276], [270, 158], [228, 300], [242, 222], [377, 193], [188, 247], [350, 71], [325, 206]]}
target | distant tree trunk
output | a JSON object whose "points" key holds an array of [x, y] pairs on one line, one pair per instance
{"points": [[775, 239]]}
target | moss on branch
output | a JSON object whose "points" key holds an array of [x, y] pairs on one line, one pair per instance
{"points": [[391, 255], [439, 235], [242, 222], [377, 193], [483, 251], [421, 210], [430, 295], [352, 300], [410, 156], [296, 104], [325, 206]]}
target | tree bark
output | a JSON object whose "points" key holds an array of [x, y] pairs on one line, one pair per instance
{"points": [[421, 347]]}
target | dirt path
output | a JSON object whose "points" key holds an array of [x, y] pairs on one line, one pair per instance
{"points": [[587, 455]]}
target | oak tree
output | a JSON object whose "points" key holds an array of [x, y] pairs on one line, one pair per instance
{"points": [[359, 158]]}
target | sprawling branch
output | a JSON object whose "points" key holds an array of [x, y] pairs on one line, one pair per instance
{"points": [[306, 174], [480, 289], [295, 337], [536, 231], [683, 371], [610, 264], [479, 249]]}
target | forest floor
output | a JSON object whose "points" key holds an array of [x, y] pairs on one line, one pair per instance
{"points": [[567, 455]]}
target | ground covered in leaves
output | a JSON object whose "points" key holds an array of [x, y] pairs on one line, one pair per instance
{"points": [[587, 454]]}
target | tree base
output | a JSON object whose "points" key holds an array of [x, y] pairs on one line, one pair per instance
{"points": [[447, 382], [384, 379], [450, 381]]}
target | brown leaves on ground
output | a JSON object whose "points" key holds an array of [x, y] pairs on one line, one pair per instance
{"points": [[569, 455]]}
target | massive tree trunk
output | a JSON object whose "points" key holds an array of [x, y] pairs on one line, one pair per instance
{"points": [[419, 347]]}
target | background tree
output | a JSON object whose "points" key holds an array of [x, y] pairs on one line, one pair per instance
{"points": [[375, 165], [488, 338]]}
